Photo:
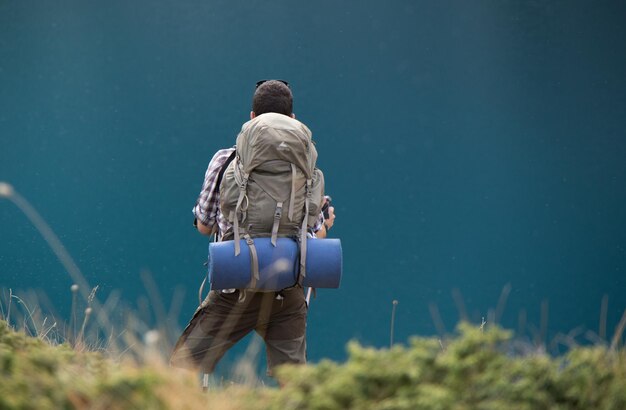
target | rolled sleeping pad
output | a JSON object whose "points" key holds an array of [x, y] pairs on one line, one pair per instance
{"points": [[278, 265], [324, 263]]}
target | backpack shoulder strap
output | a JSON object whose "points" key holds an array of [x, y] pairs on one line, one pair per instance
{"points": [[223, 170]]}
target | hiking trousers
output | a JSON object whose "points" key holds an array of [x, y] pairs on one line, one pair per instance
{"points": [[225, 318]]}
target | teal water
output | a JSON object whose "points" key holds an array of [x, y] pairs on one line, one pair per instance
{"points": [[466, 145]]}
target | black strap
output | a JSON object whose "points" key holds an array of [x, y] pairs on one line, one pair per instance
{"points": [[223, 170]]}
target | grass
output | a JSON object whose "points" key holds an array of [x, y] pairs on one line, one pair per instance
{"points": [[479, 368], [36, 374]]}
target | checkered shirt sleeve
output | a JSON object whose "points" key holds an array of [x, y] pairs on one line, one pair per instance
{"points": [[206, 209]]}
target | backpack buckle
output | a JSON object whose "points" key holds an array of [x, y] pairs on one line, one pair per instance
{"points": [[279, 212]]}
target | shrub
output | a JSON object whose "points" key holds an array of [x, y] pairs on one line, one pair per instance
{"points": [[476, 370]]}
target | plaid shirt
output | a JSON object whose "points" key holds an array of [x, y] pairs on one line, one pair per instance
{"points": [[207, 209]]}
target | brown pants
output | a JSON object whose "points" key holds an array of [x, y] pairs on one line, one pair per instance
{"points": [[225, 318]]}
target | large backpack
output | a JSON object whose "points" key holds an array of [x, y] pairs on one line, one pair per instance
{"points": [[272, 187]]}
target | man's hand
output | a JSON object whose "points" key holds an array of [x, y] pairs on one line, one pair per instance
{"points": [[205, 229], [328, 223]]}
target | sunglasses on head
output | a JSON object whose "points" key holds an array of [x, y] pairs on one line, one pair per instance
{"points": [[258, 83]]}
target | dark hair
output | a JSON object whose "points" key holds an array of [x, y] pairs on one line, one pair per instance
{"points": [[272, 96]]}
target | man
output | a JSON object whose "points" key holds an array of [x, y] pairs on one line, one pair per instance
{"points": [[226, 316]]}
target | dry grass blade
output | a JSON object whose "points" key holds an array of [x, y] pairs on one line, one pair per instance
{"points": [[619, 331]]}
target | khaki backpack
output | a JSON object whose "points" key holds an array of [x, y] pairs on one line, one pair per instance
{"points": [[272, 187]]}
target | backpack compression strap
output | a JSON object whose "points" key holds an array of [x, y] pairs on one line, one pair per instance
{"points": [[242, 195], [277, 215], [303, 233], [254, 261], [279, 206], [292, 198]]}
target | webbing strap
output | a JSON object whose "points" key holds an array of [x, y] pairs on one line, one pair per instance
{"points": [[200, 290], [254, 261], [303, 233], [242, 194], [233, 217], [277, 215], [292, 198]]}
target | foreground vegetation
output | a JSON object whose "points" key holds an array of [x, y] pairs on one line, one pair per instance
{"points": [[476, 370], [37, 375]]}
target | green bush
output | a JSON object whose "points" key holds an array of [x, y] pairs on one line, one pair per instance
{"points": [[476, 370], [36, 375]]}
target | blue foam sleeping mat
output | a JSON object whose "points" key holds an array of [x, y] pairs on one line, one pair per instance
{"points": [[278, 265]]}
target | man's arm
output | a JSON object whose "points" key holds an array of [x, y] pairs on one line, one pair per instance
{"points": [[205, 210]]}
